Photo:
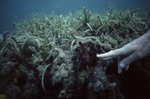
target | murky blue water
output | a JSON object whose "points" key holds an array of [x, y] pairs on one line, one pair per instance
{"points": [[15, 10]]}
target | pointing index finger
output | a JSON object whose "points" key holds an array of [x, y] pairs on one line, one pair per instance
{"points": [[112, 54]]}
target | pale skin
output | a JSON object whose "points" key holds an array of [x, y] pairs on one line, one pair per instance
{"points": [[129, 53]]}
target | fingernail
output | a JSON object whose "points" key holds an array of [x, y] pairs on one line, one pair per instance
{"points": [[97, 55]]}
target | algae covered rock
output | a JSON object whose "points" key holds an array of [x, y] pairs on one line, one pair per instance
{"points": [[55, 56]]}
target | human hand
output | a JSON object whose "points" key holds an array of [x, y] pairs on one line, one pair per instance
{"points": [[129, 53]]}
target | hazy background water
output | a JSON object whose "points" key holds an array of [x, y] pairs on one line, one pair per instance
{"points": [[16, 10]]}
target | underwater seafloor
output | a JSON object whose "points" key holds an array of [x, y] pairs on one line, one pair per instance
{"points": [[54, 57]]}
